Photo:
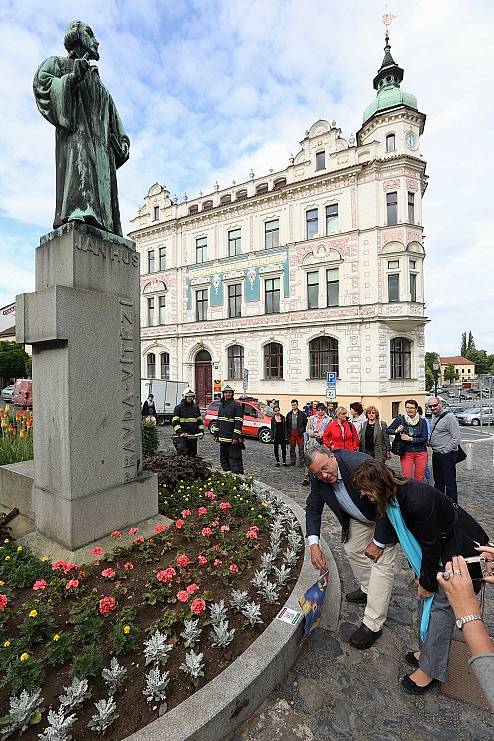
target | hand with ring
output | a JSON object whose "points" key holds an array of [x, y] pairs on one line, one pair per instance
{"points": [[488, 552], [457, 584]]}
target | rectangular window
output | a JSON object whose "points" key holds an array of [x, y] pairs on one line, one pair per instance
{"points": [[165, 366], [393, 264], [413, 286], [390, 143], [150, 311], [392, 208], [332, 219], [156, 213], [393, 287], [202, 305], [162, 258], [332, 287], [411, 207], [413, 264], [201, 249], [272, 234], [272, 289], [235, 300], [234, 243], [320, 160], [150, 261], [161, 307], [313, 290], [311, 221]]}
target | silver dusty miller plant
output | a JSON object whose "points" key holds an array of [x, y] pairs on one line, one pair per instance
{"points": [[191, 632], [275, 544], [193, 665], [156, 684], [290, 556], [106, 715], [114, 676], [282, 574], [294, 540], [220, 635], [21, 711], [218, 612], [238, 599], [270, 592], [75, 695], [60, 725], [267, 560], [252, 613], [157, 649], [260, 579]]}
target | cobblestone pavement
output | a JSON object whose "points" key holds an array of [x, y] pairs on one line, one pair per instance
{"points": [[337, 692]]}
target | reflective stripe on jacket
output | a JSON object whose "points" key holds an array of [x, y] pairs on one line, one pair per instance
{"points": [[187, 418], [230, 419]]}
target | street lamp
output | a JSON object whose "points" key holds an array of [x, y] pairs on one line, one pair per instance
{"points": [[436, 368]]}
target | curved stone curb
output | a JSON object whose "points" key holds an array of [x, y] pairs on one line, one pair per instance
{"points": [[215, 711]]}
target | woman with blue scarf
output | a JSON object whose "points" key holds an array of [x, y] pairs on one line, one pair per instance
{"points": [[431, 529]]}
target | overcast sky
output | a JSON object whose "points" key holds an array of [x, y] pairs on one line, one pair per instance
{"points": [[208, 89]]}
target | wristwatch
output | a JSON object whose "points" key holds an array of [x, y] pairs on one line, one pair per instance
{"points": [[460, 622]]}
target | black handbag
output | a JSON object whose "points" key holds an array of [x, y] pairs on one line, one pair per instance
{"points": [[397, 446], [460, 455]]}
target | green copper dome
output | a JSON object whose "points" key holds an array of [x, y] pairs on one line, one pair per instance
{"points": [[387, 83]]}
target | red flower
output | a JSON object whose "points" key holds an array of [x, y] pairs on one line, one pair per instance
{"points": [[96, 552], [234, 568], [166, 575], [107, 605], [185, 513], [202, 559], [39, 584], [206, 531], [3, 601], [72, 584], [179, 524], [160, 528], [225, 528], [252, 534], [193, 588], [182, 595], [210, 495], [139, 539], [128, 565], [68, 566], [116, 534], [132, 531], [183, 561], [198, 606], [225, 505], [202, 511], [215, 523], [108, 573], [217, 562], [82, 574]]}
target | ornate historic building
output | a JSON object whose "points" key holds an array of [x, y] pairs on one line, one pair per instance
{"points": [[313, 269]]}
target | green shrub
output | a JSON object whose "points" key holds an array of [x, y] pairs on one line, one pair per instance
{"points": [[60, 649], [89, 662], [150, 442], [25, 673], [37, 626]]}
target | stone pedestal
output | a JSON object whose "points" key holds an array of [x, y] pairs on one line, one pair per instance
{"points": [[83, 324]]}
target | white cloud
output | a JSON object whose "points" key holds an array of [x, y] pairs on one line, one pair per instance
{"points": [[210, 88]]}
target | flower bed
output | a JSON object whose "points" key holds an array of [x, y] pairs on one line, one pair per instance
{"points": [[142, 627], [16, 436]]}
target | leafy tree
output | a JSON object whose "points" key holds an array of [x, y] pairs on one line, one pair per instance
{"points": [[13, 360], [430, 359], [463, 348], [480, 358], [450, 373], [470, 342]]}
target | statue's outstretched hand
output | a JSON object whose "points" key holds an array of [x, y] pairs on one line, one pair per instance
{"points": [[81, 66]]}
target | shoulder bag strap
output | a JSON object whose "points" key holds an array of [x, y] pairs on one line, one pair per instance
{"points": [[436, 423]]}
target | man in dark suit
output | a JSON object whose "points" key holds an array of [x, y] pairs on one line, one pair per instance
{"points": [[369, 540]]}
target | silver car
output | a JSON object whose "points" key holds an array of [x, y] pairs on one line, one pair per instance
{"points": [[473, 417], [6, 394]]}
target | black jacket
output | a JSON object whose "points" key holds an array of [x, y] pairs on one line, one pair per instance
{"points": [[230, 419], [278, 435], [322, 493], [148, 410], [419, 432], [441, 527], [301, 422], [187, 418]]}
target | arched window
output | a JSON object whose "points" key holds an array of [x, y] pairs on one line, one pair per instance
{"points": [[273, 360], [151, 365], [207, 205], [261, 188], [323, 357], [401, 357], [279, 183], [241, 194], [225, 199], [235, 362], [193, 209], [165, 365]]}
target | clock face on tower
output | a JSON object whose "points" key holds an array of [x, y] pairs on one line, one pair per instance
{"points": [[411, 140]]}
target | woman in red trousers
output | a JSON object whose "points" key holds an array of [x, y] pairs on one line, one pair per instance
{"points": [[341, 434]]}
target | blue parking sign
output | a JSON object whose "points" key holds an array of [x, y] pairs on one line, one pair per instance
{"points": [[331, 378]]}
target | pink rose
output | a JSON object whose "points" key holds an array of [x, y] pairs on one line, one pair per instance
{"points": [[252, 534], [160, 528], [128, 565], [58, 564], [3, 601], [234, 568], [179, 524], [139, 539], [183, 561], [39, 584], [206, 531], [202, 559], [166, 575], [116, 534], [198, 606], [225, 528], [202, 511], [133, 530], [68, 566], [108, 573], [225, 505], [97, 552], [182, 595], [193, 588], [107, 605], [72, 584], [210, 495], [217, 562], [185, 513]]}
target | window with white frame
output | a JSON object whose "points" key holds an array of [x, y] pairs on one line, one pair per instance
{"points": [[151, 261], [234, 242], [320, 160], [272, 233], [156, 212], [201, 249], [393, 281], [390, 143], [272, 295], [332, 287], [235, 362], [151, 365], [162, 258], [313, 289], [162, 309], [201, 304], [165, 366], [413, 279], [411, 207], [235, 300], [311, 220], [392, 208], [332, 219], [150, 311], [400, 357]]}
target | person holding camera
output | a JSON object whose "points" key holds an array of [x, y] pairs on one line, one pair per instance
{"points": [[431, 528], [412, 433]]}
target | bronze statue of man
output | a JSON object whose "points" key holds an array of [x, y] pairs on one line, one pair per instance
{"points": [[90, 140]]}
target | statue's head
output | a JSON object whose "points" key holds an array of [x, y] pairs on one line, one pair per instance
{"points": [[79, 40]]}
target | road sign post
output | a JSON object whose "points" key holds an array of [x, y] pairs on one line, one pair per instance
{"points": [[245, 379], [331, 385]]}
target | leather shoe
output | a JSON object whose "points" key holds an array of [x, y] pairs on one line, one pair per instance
{"points": [[413, 689], [364, 637], [411, 659], [357, 597]]}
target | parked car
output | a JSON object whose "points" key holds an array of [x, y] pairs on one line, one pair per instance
{"points": [[466, 395], [6, 393], [257, 418], [22, 395], [456, 410], [473, 417]]}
